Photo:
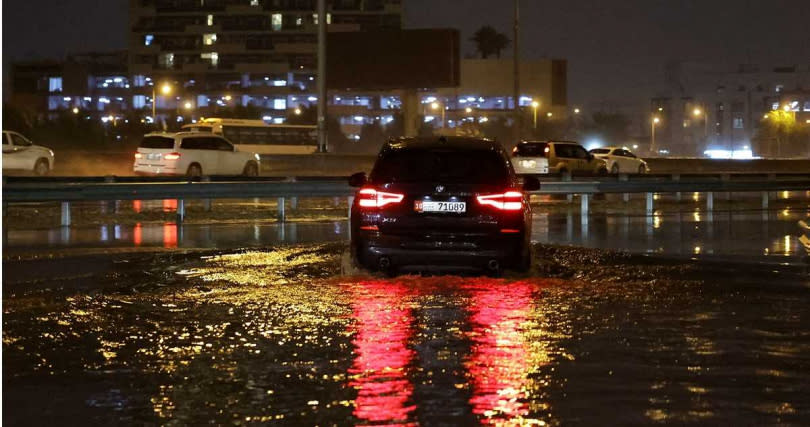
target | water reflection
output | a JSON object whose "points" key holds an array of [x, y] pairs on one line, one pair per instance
{"points": [[499, 362], [382, 331]]}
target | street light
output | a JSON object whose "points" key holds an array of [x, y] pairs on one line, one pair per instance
{"points": [[576, 110], [535, 105], [75, 110], [549, 114], [165, 90], [655, 121], [188, 105], [297, 111]]}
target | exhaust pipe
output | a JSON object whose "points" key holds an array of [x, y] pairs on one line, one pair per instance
{"points": [[384, 263], [493, 265]]}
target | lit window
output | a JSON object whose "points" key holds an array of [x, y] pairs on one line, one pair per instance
{"points": [[166, 60], [279, 82], [55, 84], [738, 123], [315, 18], [213, 57], [806, 106], [139, 101], [276, 21], [280, 104], [148, 39], [299, 21], [254, 2], [209, 39], [210, 20], [328, 18]]}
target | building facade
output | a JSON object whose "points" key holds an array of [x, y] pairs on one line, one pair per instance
{"points": [[213, 55], [706, 110]]}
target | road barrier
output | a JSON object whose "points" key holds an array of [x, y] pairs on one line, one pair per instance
{"points": [[68, 190]]}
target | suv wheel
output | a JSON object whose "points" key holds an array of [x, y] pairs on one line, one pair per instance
{"points": [[251, 169], [194, 171], [615, 169], [41, 168]]}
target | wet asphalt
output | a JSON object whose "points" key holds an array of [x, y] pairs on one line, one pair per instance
{"points": [[278, 335]]}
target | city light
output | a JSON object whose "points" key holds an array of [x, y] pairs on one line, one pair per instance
{"points": [[535, 104], [656, 120], [188, 105], [227, 97], [549, 114], [576, 110], [75, 110], [297, 111], [434, 105], [697, 112], [468, 110], [166, 89]]}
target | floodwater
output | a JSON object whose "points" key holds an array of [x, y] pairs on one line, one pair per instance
{"points": [[755, 235], [279, 337]]}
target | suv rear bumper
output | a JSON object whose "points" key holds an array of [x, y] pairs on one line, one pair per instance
{"points": [[506, 249]]}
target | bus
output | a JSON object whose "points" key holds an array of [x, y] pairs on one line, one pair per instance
{"points": [[256, 136]]}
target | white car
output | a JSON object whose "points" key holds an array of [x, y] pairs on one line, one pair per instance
{"points": [[620, 160], [20, 154], [193, 154]]}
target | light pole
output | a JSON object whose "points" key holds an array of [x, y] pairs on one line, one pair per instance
{"points": [[535, 105], [655, 121], [165, 90], [435, 106]]}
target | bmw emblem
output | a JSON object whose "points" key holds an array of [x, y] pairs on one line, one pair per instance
{"points": [[439, 188]]}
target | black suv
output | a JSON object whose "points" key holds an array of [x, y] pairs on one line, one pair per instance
{"points": [[446, 202]]}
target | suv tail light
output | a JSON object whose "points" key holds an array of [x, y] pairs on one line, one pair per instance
{"points": [[171, 156], [371, 198], [508, 201], [138, 155]]}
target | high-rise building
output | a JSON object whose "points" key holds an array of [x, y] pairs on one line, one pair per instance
{"points": [[223, 53]]}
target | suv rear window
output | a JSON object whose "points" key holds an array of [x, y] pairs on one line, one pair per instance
{"points": [[157, 142], [426, 165], [531, 149], [603, 151]]}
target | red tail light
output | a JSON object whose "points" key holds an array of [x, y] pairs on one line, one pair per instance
{"points": [[508, 201], [371, 198], [171, 156], [138, 155]]}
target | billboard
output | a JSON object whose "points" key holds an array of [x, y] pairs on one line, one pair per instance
{"points": [[380, 60]]}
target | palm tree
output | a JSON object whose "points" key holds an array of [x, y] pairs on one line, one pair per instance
{"points": [[488, 41]]}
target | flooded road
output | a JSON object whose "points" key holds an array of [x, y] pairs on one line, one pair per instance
{"points": [[768, 236], [278, 336]]}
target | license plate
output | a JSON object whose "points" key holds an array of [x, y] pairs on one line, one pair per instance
{"points": [[154, 156], [430, 206]]}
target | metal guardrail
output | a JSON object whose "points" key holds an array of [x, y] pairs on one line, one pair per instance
{"points": [[66, 190]]}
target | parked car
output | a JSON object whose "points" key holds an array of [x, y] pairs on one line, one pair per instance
{"points": [[193, 154], [446, 201], [541, 157], [20, 154], [620, 160]]}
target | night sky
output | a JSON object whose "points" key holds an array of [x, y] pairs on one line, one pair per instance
{"points": [[616, 48]]}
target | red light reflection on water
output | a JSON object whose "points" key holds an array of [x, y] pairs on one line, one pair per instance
{"points": [[500, 358], [169, 235], [137, 234], [136, 206], [383, 328], [169, 205]]}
